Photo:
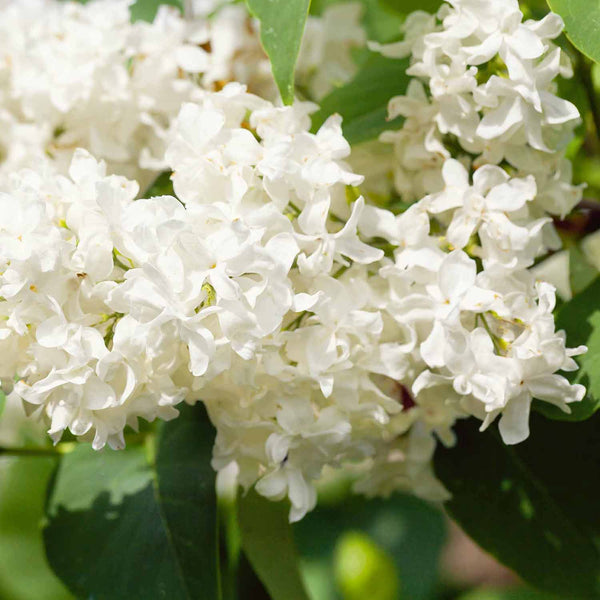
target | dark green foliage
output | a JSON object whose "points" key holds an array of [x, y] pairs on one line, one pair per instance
{"points": [[582, 23], [363, 101], [281, 28], [533, 506], [119, 527], [268, 544]]}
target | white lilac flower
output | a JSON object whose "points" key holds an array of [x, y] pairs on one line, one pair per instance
{"points": [[319, 331], [84, 76], [116, 308], [491, 82], [484, 204]]}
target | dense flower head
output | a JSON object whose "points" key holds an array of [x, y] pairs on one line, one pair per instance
{"points": [[75, 75], [264, 289], [319, 330], [481, 150], [117, 308], [84, 76], [483, 80]]}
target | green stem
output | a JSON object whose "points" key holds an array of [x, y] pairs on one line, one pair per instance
{"points": [[341, 270], [230, 544], [110, 331], [295, 208], [220, 573], [293, 325], [58, 450], [585, 73], [492, 335], [63, 448]]}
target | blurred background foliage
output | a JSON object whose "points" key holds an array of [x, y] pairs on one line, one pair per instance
{"points": [[350, 548]]}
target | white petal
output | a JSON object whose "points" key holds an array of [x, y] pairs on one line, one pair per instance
{"points": [[514, 422], [456, 275]]}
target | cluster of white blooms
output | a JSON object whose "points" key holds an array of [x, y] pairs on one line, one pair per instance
{"points": [[84, 76], [254, 291], [319, 331], [481, 149], [115, 308], [484, 88]]}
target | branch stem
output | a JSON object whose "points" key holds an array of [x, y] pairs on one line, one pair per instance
{"points": [[58, 450]]}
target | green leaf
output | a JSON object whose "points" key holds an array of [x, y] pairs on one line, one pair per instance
{"points": [[580, 318], [533, 505], [381, 23], [281, 27], [582, 23], [24, 571], [411, 531], [161, 186], [363, 101], [268, 543], [573, 316], [581, 272], [248, 585], [121, 528]]}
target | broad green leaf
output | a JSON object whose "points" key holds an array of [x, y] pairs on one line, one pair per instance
{"points": [[573, 316], [363, 101], [381, 23], [268, 543], [116, 474], [24, 571], [533, 505], [186, 488], [580, 318], [582, 23], [249, 586], [281, 27], [409, 530], [122, 528], [581, 272]]}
